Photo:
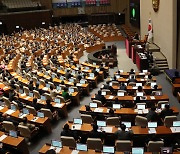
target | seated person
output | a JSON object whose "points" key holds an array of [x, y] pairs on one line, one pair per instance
{"points": [[88, 109], [35, 104], [67, 132], [132, 79], [95, 134], [26, 123], [100, 97], [123, 86], [152, 115], [140, 89], [65, 94], [137, 100], [123, 134], [132, 71], [30, 86], [49, 106], [166, 112]]}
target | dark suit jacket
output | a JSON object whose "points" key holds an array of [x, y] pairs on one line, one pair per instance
{"points": [[100, 98], [166, 112], [123, 135], [96, 134], [152, 116]]}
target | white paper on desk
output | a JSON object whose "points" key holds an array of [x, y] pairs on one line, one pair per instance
{"points": [[141, 79], [90, 77], [152, 130], [57, 149], [140, 111], [1, 107], [98, 110], [134, 98], [134, 87], [6, 87], [75, 152], [9, 112], [76, 127], [108, 110], [175, 129], [107, 129], [152, 97], [111, 97], [28, 97], [141, 73], [145, 110], [135, 110], [36, 118], [23, 94], [23, 115], [45, 88], [58, 105], [78, 84], [3, 137], [158, 110]]}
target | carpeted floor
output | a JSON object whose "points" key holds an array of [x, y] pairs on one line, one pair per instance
{"points": [[123, 63]]}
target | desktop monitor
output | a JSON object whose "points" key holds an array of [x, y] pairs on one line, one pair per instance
{"points": [[94, 63], [145, 71], [57, 100], [25, 111], [141, 107], [128, 124], [13, 107], [103, 93], [116, 106], [82, 81], [91, 75], [93, 105], [97, 69], [166, 150], [31, 94], [108, 149], [43, 97], [48, 85], [58, 88], [110, 84], [71, 90], [176, 123], [77, 121], [137, 150], [163, 106], [152, 124], [71, 80], [153, 84], [13, 133], [62, 78], [53, 76], [120, 93], [158, 93], [81, 147], [21, 91], [40, 114], [138, 84], [86, 68], [56, 143], [118, 76], [101, 123], [140, 94]]}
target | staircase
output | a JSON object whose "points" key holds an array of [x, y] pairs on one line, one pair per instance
{"points": [[160, 59]]}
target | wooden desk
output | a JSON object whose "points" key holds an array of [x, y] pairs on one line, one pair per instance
{"points": [[139, 80], [45, 122], [175, 88], [131, 98], [16, 143], [120, 112]]}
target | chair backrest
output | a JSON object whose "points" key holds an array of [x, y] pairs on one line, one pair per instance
{"points": [[16, 104], [68, 141], [51, 84], [108, 92], [24, 131], [161, 102], [31, 110], [48, 96], [7, 125], [95, 144], [36, 94], [26, 90], [115, 83], [42, 82], [7, 102], [141, 121], [155, 146], [132, 84], [114, 121], [34, 79], [61, 98], [87, 118], [99, 103], [124, 91], [168, 120], [47, 113], [123, 145], [17, 87]]}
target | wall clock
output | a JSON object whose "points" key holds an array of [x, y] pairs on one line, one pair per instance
{"points": [[155, 4]]}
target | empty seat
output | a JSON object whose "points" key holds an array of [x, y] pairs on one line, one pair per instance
{"points": [[87, 118], [168, 120], [31, 110], [123, 145], [95, 144], [7, 125], [114, 121], [68, 141], [141, 121], [155, 146]]}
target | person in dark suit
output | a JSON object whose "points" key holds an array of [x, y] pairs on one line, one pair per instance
{"points": [[68, 74], [25, 123], [35, 104], [106, 86], [95, 134], [6, 117], [67, 132], [30, 86], [152, 115], [122, 134], [100, 97], [132, 71], [49, 105], [132, 79], [123, 86], [166, 111]]}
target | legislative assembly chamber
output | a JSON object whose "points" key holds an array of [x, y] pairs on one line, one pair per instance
{"points": [[89, 76]]}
